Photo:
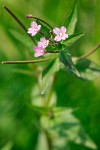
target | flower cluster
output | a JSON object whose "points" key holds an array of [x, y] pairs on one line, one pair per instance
{"points": [[60, 34]]}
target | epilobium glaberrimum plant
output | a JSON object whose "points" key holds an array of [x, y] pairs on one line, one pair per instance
{"points": [[51, 44], [43, 43]]}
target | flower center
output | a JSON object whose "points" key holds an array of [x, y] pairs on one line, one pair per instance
{"points": [[61, 34], [35, 30], [41, 50], [45, 43]]}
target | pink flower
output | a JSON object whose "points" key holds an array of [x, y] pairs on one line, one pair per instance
{"points": [[60, 33], [34, 28], [43, 42], [39, 51]]}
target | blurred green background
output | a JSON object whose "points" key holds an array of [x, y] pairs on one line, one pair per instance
{"points": [[17, 130]]}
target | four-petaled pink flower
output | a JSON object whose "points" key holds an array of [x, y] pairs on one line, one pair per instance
{"points": [[34, 28], [39, 51], [60, 33], [43, 42]]}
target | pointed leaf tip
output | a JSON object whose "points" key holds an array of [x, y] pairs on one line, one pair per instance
{"points": [[73, 38], [65, 58], [88, 69], [71, 21]]}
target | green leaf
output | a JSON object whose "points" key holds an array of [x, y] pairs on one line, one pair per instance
{"points": [[22, 38], [65, 58], [47, 74], [71, 21], [8, 146], [39, 110], [42, 141], [88, 69], [65, 127], [25, 40], [73, 38], [84, 139]]}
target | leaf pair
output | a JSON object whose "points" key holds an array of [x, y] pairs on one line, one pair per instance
{"points": [[65, 127]]}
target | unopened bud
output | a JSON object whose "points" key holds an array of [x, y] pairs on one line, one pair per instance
{"points": [[29, 16]]}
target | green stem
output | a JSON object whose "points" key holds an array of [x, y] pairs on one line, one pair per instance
{"points": [[19, 22], [28, 61], [30, 16], [49, 141], [50, 92], [89, 52], [50, 51]]}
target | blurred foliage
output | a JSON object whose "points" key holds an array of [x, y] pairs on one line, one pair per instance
{"points": [[20, 122]]}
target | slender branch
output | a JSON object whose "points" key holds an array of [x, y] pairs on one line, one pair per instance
{"points": [[90, 52], [28, 61], [30, 16], [51, 51], [19, 22]]}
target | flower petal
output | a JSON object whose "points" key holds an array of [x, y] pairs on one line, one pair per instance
{"points": [[42, 39], [57, 38], [64, 36], [39, 27], [37, 48], [63, 29], [56, 30], [31, 31], [33, 24], [39, 51], [37, 54]]}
